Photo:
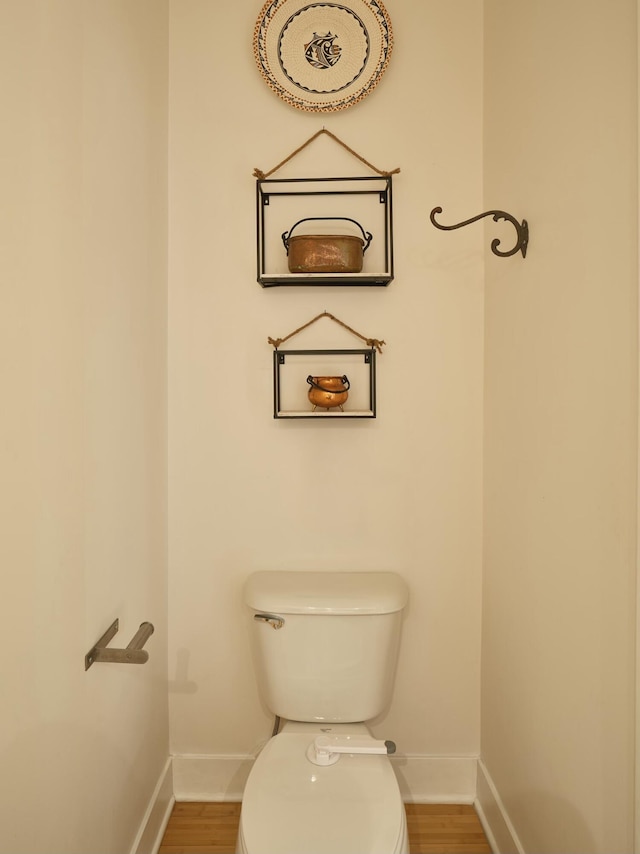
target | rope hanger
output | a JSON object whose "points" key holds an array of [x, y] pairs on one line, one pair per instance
{"points": [[372, 342], [258, 173]]}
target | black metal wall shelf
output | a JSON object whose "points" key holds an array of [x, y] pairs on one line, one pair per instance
{"points": [[290, 398], [353, 279], [280, 202]]}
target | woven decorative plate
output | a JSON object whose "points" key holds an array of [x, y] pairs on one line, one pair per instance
{"points": [[322, 57]]}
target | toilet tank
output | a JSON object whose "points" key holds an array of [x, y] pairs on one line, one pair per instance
{"points": [[326, 643]]}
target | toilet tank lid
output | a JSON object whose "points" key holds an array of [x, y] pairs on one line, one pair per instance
{"points": [[326, 593]]}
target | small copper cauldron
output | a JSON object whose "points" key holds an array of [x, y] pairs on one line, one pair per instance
{"points": [[326, 253], [328, 392]]}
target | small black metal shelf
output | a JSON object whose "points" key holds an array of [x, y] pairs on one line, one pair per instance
{"points": [[361, 364], [280, 202]]}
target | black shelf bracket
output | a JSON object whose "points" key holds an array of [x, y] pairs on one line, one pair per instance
{"points": [[522, 230]]}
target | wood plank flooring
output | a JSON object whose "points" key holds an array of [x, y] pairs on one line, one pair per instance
{"points": [[211, 828]]}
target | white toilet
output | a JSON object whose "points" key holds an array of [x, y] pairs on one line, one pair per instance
{"points": [[325, 645]]}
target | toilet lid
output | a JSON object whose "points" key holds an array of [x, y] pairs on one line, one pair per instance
{"points": [[291, 805]]}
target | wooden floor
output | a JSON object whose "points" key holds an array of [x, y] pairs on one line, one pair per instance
{"points": [[211, 828]]}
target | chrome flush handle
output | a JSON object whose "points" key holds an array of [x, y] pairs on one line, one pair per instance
{"points": [[274, 620]]}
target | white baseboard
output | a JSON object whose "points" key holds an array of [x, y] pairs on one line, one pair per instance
{"points": [[157, 814], [436, 779], [206, 777], [497, 826], [422, 779]]}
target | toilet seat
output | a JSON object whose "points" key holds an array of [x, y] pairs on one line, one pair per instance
{"points": [[291, 806]]}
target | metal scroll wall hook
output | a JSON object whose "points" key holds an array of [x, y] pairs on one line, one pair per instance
{"points": [[522, 230], [133, 654]]}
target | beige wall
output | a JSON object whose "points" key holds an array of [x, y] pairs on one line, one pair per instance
{"points": [[83, 217], [84, 333], [560, 423], [401, 492]]}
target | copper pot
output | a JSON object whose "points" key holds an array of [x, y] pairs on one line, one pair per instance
{"points": [[328, 392], [326, 253]]}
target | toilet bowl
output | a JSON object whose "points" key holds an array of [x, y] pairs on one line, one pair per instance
{"points": [[292, 806]]}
